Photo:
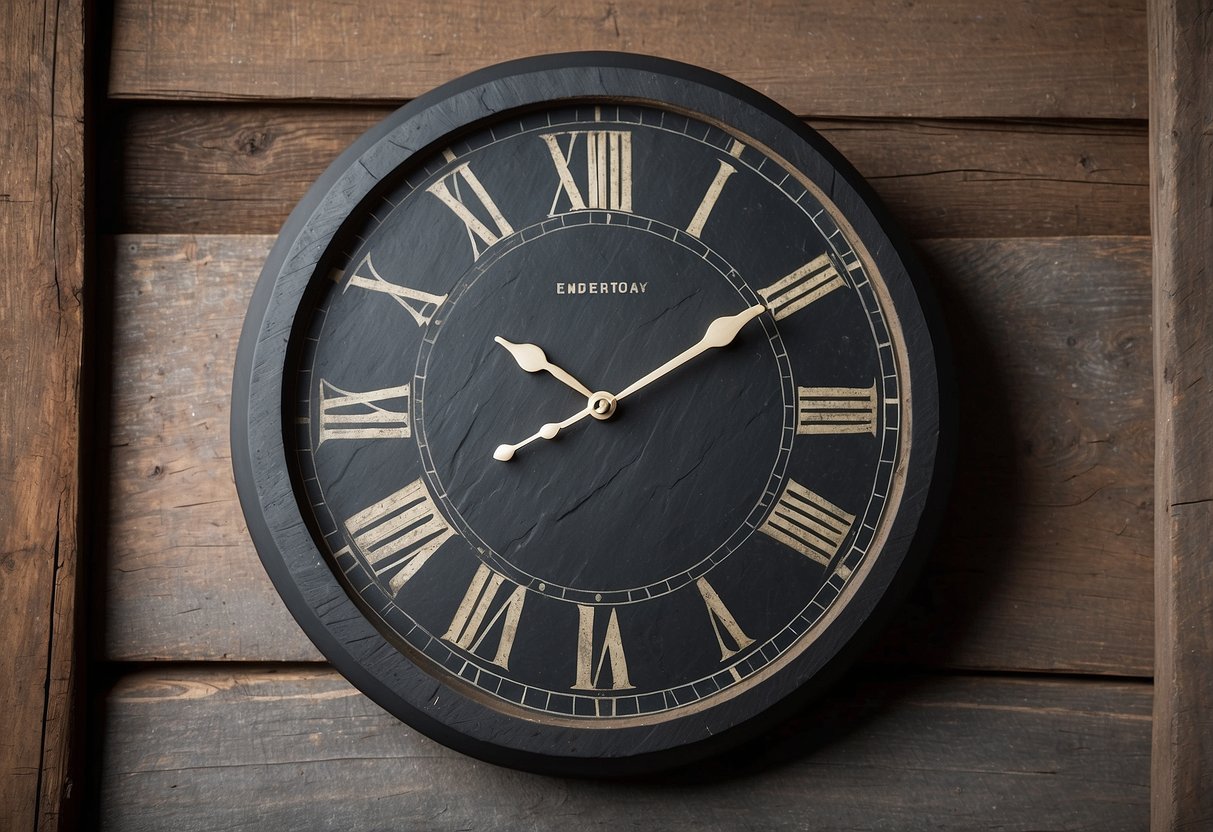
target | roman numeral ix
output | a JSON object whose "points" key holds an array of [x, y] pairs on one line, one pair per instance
{"points": [[346, 415]]}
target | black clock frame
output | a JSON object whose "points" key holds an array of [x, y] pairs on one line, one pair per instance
{"points": [[304, 577]]}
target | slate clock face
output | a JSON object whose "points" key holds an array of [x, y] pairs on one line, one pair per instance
{"points": [[585, 414]]}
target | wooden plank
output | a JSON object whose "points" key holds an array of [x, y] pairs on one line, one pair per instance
{"points": [[1181, 143], [211, 748], [1047, 557], [1045, 562], [236, 169], [949, 58], [41, 243]]}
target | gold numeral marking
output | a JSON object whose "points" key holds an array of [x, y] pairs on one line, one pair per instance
{"points": [[589, 672], [723, 622], [476, 228], [468, 628], [713, 193], [836, 409], [813, 280], [399, 533], [367, 277], [346, 415], [808, 522], [608, 166]]}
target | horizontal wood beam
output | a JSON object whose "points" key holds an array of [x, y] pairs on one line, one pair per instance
{"points": [[947, 58], [297, 748], [1046, 559], [1181, 139], [239, 169]]}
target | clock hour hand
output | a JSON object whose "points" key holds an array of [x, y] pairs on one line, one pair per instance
{"points": [[505, 453], [720, 333], [532, 359]]}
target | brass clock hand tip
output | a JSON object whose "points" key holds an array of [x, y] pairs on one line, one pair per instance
{"points": [[505, 453], [534, 360]]}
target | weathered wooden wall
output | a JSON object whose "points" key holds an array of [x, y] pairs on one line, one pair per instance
{"points": [[1181, 139], [1009, 139], [42, 231]]}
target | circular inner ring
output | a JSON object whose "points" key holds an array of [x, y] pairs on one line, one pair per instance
{"points": [[656, 468]]}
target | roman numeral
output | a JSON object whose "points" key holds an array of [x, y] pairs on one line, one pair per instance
{"points": [[414, 301], [346, 415], [589, 672], [398, 534], [723, 622], [813, 280], [469, 628], [448, 189], [608, 167], [808, 522], [713, 193], [836, 409]]}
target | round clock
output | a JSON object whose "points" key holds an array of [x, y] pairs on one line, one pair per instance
{"points": [[587, 414]]}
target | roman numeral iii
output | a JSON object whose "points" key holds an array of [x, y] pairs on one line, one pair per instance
{"points": [[836, 409], [414, 301], [449, 190], [398, 534], [808, 522], [346, 415], [608, 169], [812, 281], [472, 622], [610, 658]]}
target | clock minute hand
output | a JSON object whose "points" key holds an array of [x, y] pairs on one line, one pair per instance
{"points": [[533, 359], [720, 333]]}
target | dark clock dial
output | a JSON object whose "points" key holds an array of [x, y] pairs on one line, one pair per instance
{"points": [[595, 412]]}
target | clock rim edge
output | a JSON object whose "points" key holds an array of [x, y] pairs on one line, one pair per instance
{"points": [[933, 415]]}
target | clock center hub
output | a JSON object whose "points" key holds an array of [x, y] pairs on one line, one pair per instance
{"points": [[602, 405]]}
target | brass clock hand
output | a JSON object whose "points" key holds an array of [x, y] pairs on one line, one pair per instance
{"points": [[532, 359], [720, 332], [505, 453]]}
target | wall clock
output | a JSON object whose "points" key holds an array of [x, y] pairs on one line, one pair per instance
{"points": [[586, 414]]}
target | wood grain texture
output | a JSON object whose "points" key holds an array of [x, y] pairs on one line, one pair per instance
{"points": [[41, 242], [1181, 139], [1045, 558], [1037, 58], [1047, 555], [210, 749], [225, 169]]}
